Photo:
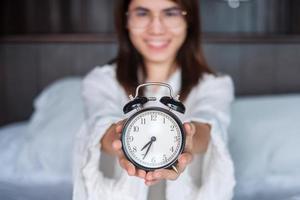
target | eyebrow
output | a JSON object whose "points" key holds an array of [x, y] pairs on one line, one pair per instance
{"points": [[164, 10], [141, 8], [171, 8]]}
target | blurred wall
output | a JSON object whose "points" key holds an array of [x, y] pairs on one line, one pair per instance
{"points": [[90, 16]]}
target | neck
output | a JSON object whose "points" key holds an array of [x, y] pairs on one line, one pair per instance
{"points": [[159, 72]]}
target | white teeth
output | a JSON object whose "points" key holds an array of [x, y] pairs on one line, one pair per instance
{"points": [[157, 43]]}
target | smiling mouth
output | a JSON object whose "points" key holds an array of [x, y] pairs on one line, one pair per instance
{"points": [[157, 44]]}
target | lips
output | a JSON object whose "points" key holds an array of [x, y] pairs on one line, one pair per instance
{"points": [[157, 44]]}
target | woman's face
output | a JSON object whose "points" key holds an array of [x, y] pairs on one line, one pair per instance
{"points": [[157, 29]]}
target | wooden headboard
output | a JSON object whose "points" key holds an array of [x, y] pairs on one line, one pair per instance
{"points": [[258, 65]]}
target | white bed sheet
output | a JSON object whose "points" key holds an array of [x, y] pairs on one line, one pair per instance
{"points": [[14, 185], [35, 191], [264, 141], [12, 138], [35, 156]]}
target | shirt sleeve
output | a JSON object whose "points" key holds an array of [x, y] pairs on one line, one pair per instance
{"points": [[210, 176], [102, 97]]}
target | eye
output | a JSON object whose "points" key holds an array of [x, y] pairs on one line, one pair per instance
{"points": [[172, 12], [141, 13]]}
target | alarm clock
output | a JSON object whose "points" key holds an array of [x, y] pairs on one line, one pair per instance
{"points": [[153, 137]]}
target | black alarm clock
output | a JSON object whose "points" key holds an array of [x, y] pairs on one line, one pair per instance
{"points": [[153, 137]]}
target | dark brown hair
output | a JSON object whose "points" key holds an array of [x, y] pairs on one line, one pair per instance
{"points": [[189, 57]]}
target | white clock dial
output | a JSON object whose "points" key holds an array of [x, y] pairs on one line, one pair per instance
{"points": [[153, 138]]}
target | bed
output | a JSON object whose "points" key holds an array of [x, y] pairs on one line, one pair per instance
{"points": [[35, 153], [264, 137]]}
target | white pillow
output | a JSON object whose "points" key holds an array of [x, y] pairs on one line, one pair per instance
{"points": [[58, 114], [264, 140]]}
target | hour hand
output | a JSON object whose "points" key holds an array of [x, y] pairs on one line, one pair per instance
{"points": [[146, 145]]}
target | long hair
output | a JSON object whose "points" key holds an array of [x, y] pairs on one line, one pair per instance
{"points": [[189, 56]]}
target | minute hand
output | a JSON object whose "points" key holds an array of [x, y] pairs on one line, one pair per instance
{"points": [[148, 150]]}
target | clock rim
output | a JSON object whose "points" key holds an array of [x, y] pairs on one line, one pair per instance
{"points": [[177, 120]]}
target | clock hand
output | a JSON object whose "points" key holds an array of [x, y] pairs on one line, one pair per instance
{"points": [[147, 150], [146, 145], [153, 138]]}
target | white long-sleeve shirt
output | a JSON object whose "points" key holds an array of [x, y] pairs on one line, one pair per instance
{"points": [[209, 177]]}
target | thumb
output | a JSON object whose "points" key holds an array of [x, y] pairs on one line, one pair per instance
{"points": [[190, 129], [119, 126]]}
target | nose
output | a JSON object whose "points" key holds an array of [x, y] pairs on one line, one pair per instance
{"points": [[156, 25]]}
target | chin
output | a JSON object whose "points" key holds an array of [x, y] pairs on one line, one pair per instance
{"points": [[158, 56], [157, 59]]}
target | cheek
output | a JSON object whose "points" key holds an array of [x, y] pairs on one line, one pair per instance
{"points": [[179, 31], [179, 35]]}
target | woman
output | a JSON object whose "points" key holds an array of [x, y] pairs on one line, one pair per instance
{"points": [[159, 41]]}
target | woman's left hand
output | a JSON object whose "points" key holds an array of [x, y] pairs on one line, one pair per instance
{"points": [[184, 159]]}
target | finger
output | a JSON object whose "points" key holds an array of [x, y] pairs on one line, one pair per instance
{"points": [[190, 131], [141, 173], [190, 128], [130, 169], [117, 145], [165, 174], [150, 183], [149, 176], [128, 166], [117, 148], [150, 179], [119, 126], [183, 160]]}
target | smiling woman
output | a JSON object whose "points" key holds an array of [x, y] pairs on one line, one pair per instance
{"points": [[159, 41]]}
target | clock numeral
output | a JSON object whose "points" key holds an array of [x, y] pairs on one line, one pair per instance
{"points": [[164, 120], [130, 138], [153, 117], [143, 120], [134, 149], [176, 138], [165, 158], [172, 127], [172, 149], [136, 129], [153, 160]]}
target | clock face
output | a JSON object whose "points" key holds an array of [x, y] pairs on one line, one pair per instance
{"points": [[153, 138]]}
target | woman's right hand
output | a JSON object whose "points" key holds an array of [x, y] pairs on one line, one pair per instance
{"points": [[111, 144]]}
